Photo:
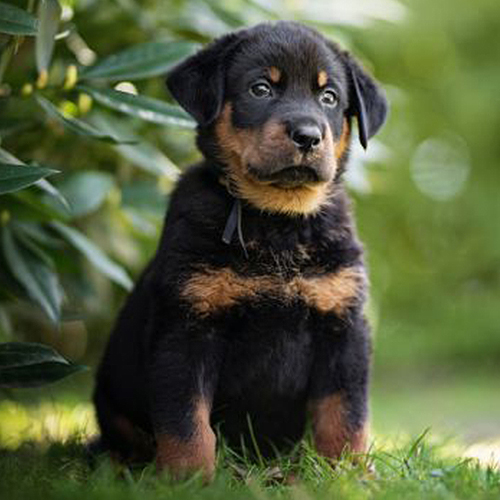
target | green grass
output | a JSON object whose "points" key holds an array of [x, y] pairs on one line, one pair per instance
{"points": [[42, 436], [50, 469]]}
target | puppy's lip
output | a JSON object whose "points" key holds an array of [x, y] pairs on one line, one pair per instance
{"points": [[288, 177]]}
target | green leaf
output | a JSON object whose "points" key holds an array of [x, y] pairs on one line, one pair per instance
{"points": [[38, 280], [231, 19], [144, 195], [26, 364], [49, 13], [14, 177], [16, 21], [14, 354], [95, 255], [26, 205], [76, 126], [11, 127], [6, 157], [146, 108], [37, 233], [142, 61], [42, 184], [52, 191], [85, 191], [142, 154]]}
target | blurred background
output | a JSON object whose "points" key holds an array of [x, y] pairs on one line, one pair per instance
{"points": [[83, 94]]}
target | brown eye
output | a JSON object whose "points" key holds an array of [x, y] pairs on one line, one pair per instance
{"points": [[328, 97], [261, 90]]}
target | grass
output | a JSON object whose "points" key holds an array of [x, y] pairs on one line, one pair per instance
{"points": [[42, 436], [45, 458]]}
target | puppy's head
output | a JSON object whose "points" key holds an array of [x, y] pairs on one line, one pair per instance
{"points": [[274, 105]]}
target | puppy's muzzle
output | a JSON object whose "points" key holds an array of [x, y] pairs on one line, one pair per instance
{"points": [[295, 176]]}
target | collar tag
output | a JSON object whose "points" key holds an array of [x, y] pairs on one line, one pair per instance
{"points": [[234, 223]]}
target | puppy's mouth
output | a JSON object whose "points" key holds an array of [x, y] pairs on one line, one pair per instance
{"points": [[288, 177]]}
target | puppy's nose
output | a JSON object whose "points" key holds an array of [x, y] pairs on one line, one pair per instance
{"points": [[306, 137]]}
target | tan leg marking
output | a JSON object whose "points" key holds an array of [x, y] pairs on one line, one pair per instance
{"points": [[182, 458], [212, 290], [331, 431]]}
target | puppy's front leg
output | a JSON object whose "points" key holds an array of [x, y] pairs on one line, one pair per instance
{"points": [[183, 374], [338, 400]]}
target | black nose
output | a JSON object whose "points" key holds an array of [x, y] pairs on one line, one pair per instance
{"points": [[306, 137]]}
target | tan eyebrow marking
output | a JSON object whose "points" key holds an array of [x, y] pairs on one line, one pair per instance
{"points": [[274, 74], [322, 78]]}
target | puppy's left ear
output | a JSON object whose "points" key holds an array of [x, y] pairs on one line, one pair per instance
{"points": [[368, 102], [197, 83]]}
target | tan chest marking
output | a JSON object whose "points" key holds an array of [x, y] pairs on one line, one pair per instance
{"points": [[332, 292], [212, 290]]}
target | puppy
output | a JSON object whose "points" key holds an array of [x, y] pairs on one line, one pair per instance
{"points": [[250, 315]]}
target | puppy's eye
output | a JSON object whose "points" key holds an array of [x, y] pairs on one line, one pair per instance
{"points": [[328, 97], [261, 90]]}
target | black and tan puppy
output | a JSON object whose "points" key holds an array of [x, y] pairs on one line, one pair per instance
{"points": [[252, 309]]}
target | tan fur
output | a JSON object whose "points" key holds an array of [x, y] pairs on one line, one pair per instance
{"points": [[332, 435], [269, 144], [180, 457], [213, 290], [332, 292], [136, 439], [300, 200], [322, 78], [274, 74], [343, 143]]}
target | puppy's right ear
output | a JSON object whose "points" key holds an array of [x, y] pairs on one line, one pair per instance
{"points": [[197, 83], [368, 102]]}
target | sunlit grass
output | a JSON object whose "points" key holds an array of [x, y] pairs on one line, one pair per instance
{"points": [[45, 423], [42, 454]]}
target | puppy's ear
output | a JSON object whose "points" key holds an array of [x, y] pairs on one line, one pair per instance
{"points": [[197, 83], [367, 102]]}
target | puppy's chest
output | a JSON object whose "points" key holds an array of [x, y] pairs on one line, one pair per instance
{"points": [[284, 280]]}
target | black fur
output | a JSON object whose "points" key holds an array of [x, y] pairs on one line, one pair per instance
{"points": [[264, 357]]}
